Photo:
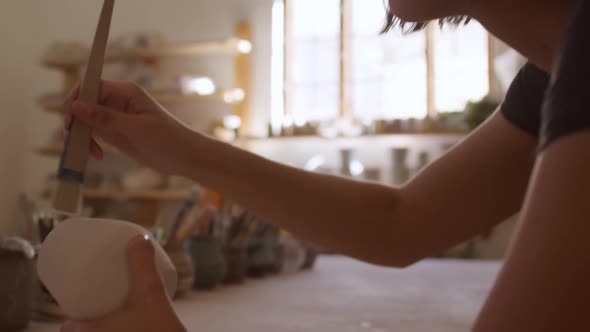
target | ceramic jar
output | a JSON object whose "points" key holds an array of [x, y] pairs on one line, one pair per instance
{"points": [[183, 262], [17, 283], [208, 261], [261, 254], [236, 259]]}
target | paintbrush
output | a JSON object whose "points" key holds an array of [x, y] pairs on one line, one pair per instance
{"points": [[74, 158], [244, 234], [194, 225], [186, 211]]}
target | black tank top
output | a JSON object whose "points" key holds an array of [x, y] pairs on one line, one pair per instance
{"points": [[524, 99]]}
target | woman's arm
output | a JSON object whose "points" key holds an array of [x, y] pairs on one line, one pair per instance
{"points": [[545, 283], [467, 191]]}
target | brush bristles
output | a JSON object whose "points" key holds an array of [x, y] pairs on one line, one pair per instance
{"points": [[67, 196]]}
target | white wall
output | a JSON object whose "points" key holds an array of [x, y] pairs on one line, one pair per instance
{"points": [[28, 27]]}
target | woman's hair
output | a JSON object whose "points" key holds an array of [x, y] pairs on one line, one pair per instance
{"points": [[393, 21]]}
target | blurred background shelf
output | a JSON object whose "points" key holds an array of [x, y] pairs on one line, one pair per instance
{"points": [[229, 46], [425, 134], [121, 195], [54, 102], [55, 150]]}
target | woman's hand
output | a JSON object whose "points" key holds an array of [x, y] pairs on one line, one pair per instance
{"points": [[127, 118], [147, 308]]}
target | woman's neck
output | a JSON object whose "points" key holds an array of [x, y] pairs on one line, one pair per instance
{"points": [[532, 27]]}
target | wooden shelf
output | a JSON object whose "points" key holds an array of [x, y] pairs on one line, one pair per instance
{"points": [[54, 102], [145, 195], [55, 150], [230, 46]]}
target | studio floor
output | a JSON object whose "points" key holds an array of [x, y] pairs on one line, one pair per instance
{"points": [[342, 295]]}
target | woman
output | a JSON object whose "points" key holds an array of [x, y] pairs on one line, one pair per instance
{"points": [[522, 159]]}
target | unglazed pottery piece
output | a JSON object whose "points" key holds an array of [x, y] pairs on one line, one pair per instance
{"points": [[83, 264]]}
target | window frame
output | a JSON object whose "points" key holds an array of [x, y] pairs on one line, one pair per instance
{"points": [[345, 100]]}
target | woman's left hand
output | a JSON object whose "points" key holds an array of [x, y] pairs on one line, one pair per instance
{"points": [[147, 308]]}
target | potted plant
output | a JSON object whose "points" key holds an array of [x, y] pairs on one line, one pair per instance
{"points": [[477, 112]]}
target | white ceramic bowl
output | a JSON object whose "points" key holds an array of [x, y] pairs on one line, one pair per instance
{"points": [[83, 264]]}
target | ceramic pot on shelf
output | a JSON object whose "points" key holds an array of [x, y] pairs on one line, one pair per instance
{"points": [[400, 171]]}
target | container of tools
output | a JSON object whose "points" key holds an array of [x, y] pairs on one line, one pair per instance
{"points": [[192, 245], [238, 232], [208, 260], [183, 263], [174, 245], [38, 222], [311, 255], [205, 243], [294, 253], [17, 283], [262, 250]]}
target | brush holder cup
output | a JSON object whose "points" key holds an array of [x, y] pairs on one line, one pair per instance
{"points": [[17, 283], [311, 255], [236, 259], [83, 264], [294, 254], [262, 251], [183, 262], [208, 260], [279, 260]]}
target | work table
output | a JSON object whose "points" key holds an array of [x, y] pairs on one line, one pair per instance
{"points": [[343, 295]]}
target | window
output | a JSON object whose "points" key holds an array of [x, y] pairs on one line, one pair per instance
{"points": [[460, 66], [337, 64], [313, 48], [387, 77]]}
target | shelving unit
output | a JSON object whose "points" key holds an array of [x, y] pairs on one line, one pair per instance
{"points": [[230, 46], [55, 150], [54, 102], [147, 202], [121, 195]]}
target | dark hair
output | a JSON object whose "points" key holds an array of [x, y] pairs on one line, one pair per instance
{"points": [[393, 21]]}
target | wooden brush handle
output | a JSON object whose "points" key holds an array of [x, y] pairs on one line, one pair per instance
{"points": [[196, 224], [77, 146]]}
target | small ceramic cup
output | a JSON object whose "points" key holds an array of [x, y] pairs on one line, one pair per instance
{"points": [[208, 261]]}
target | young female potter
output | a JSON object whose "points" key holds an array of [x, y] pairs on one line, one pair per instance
{"points": [[530, 156]]}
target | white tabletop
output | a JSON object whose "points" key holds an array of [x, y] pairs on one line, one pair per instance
{"points": [[344, 295]]}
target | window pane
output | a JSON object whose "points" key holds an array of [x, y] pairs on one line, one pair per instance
{"points": [[313, 61], [314, 18], [461, 66], [314, 102], [277, 75], [368, 17], [313, 68], [387, 72]]}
